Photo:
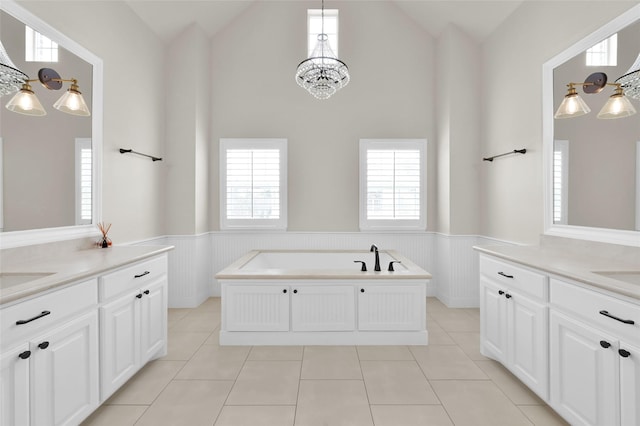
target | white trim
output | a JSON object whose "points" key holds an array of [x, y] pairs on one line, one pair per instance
{"points": [[46, 235], [80, 145], [629, 238], [253, 224], [392, 225], [1, 186]]}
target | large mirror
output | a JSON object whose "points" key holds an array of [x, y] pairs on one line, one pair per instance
{"points": [[49, 165], [592, 165]]}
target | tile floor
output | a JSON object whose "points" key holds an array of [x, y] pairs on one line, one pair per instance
{"points": [[446, 383]]}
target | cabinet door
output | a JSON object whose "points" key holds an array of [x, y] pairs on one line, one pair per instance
{"points": [[14, 387], [323, 308], [584, 373], [64, 373], [493, 321], [256, 308], [391, 308], [153, 326], [119, 342], [528, 339], [629, 384]]}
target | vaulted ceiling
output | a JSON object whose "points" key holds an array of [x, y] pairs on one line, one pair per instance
{"points": [[478, 18]]}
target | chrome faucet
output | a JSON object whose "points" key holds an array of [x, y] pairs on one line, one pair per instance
{"points": [[374, 248]]}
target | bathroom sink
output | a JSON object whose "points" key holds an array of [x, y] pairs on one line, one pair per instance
{"points": [[9, 279], [632, 277]]}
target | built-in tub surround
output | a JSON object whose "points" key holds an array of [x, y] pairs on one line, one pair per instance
{"points": [[323, 298], [54, 265]]}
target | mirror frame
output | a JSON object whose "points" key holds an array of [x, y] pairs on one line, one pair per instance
{"points": [[613, 236], [47, 235]]}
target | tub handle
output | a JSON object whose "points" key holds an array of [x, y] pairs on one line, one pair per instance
{"points": [[364, 265], [391, 265]]}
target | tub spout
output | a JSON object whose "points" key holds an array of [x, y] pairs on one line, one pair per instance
{"points": [[374, 249]]}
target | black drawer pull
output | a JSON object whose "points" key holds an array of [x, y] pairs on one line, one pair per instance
{"points": [[25, 355], [142, 274], [505, 275], [146, 292], [139, 295], [500, 292], [607, 314], [508, 296], [605, 344], [43, 345], [623, 353], [43, 314]]}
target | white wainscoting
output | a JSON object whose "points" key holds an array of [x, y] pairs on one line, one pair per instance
{"points": [[449, 258]]}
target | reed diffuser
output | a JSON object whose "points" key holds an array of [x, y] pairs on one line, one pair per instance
{"points": [[104, 229]]}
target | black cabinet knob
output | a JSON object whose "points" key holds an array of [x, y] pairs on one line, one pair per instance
{"points": [[146, 292], [25, 354], [43, 345], [623, 353], [295, 291], [139, 296], [508, 296], [605, 344], [500, 292], [284, 291], [362, 290]]}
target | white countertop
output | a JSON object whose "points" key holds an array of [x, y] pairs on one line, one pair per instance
{"points": [[69, 266], [578, 266]]}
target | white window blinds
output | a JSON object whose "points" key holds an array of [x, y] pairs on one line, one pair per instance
{"points": [[39, 48], [392, 184], [84, 181], [253, 183]]}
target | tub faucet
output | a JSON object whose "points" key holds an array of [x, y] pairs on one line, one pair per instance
{"points": [[374, 249]]}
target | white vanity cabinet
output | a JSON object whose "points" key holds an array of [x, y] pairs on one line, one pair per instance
{"points": [[49, 357], [514, 320], [133, 320], [594, 355]]}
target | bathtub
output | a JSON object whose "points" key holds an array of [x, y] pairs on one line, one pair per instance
{"points": [[319, 297]]}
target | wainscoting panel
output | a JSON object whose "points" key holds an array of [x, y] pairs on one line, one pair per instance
{"points": [[197, 258]]}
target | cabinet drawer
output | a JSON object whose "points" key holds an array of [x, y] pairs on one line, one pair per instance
{"points": [[588, 305], [60, 304], [132, 277], [515, 277]]}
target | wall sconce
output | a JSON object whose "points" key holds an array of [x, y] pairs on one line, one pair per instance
{"points": [[618, 106], [71, 102]]}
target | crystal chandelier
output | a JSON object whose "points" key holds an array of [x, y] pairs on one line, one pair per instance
{"points": [[631, 80], [322, 74], [11, 78]]}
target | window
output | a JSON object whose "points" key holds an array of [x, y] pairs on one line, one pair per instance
{"points": [[604, 53], [314, 27], [560, 181], [84, 181], [38, 48], [392, 184], [253, 183]]}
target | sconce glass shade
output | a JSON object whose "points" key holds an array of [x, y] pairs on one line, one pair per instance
{"points": [[572, 105], [26, 102], [72, 102], [618, 106]]}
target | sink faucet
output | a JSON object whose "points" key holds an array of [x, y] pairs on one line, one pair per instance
{"points": [[374, 248]]}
